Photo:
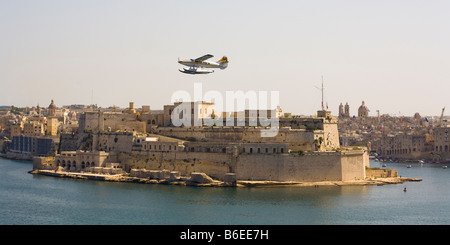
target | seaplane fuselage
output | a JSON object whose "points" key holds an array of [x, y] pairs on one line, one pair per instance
{"points": [[203, 64]]}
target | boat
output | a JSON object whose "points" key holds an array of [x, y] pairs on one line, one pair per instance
{"points": [[444, 166], [408, 166], [384, 165]]}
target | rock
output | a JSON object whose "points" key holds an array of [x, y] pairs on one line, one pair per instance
{"points": [[174, 176], [164, 174], [200, 178], [230, 179], [154, 174]]}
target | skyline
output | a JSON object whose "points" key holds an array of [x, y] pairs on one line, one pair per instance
{"points": [[393, 56]]}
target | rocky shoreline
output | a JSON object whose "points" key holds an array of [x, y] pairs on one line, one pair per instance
{"points": [[202, 180]]}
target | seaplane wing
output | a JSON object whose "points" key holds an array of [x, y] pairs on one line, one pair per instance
{"points": [[203, 58]]}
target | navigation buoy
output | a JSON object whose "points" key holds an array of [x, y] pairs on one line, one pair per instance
{"points": [[404, 189]]}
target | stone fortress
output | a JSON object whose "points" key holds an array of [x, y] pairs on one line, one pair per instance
{"points": [[79, 139], [141, 142]]}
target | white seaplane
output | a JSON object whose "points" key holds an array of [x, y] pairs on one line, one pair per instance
{"points": [[196, 65]]}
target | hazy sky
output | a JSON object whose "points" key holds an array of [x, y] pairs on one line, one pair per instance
{"points": [[394, 55]]}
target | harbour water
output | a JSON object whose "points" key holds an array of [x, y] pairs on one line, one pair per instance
{"points": [[27, 199]]}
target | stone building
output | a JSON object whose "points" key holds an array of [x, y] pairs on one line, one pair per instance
{"points": [[33, 128], [441, 143], [405, 146], [363, 111], [52, 126], [84, 161], [110, 121], [347, 110], [52, 109]]}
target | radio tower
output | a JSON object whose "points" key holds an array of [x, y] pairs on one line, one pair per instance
{"points": [[321, 89]]}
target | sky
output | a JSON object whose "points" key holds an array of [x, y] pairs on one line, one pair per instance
{"points": [[394, 55]]}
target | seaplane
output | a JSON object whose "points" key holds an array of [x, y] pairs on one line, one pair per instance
{"points": [[196, 65]]}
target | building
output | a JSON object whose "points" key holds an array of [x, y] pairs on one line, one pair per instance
{"points": [[36, 146], [189, 113], [98, 121], [33, 128], [52, 109], [52, 126], [363, 111], [85, 161], [344, 111]]}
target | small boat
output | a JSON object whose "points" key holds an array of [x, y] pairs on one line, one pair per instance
{"points": [[408, 166], [444, 166], [421, 161], [384, 165]]}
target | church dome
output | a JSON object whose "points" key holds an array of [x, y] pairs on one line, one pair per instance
{"points": [[52, 105]]}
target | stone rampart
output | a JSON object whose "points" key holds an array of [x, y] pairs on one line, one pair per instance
{"points": [[381, 173], [311, 166]]}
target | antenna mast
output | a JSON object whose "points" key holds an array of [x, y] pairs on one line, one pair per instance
{"points": [[322, 94], [323, 108]]}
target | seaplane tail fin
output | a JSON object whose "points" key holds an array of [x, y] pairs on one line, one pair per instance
{"points": [[223, 63], [223, 60]]}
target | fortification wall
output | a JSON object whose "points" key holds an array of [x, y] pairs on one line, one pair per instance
{"points": [[215, 165], [316, 166], [289, 167], [298, 139], [323, 166]]}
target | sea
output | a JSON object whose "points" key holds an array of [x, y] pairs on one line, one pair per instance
{"points": [[27, 199]]}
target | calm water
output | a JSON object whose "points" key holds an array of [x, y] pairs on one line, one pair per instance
{"points": [[32, 199]]}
